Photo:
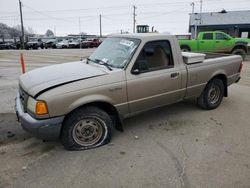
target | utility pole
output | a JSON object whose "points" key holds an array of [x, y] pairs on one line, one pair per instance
{"points": [[192, 4], [195, 28], [200, 10], [134, 20], [192, 16], [21, 16], [80, 33], [100, 25]]}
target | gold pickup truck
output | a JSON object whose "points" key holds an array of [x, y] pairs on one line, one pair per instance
{"points": [[81, 103]]}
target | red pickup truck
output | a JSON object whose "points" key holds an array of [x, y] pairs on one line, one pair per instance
{"points": [[91, 43]]}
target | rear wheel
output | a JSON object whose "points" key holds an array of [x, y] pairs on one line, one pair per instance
{"points": [[212, 95], [185, 49], [86, 128], [240, 52]]}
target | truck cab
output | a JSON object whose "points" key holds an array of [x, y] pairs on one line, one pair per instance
{"points": [[214, 42]]}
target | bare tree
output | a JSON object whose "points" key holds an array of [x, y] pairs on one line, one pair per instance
{"points": [[49, 33]]}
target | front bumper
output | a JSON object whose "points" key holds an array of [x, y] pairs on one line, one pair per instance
{"points": [[47, 129]]}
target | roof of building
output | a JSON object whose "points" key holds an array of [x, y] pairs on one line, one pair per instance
{"points": [[220, 18]]}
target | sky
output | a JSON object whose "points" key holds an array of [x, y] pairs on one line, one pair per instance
{"points": [[72, 17]]}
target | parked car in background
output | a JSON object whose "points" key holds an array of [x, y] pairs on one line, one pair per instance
{"points": [[50, 43], [95, 43], [86, 43], [7, 46], [34, 43], [216, 41], [74, 43], [63, 44], [91, 43]]}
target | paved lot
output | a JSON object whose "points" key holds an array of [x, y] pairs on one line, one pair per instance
{"points": [[177, 146]]}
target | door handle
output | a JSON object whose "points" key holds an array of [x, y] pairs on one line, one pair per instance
{"points": [[175, 75], [202, 41], [217, 41]]}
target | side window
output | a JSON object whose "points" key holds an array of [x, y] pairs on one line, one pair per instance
{"points": [[154, 56], [207, 36], [220, 36]]}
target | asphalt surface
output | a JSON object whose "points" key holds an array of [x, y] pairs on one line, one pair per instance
{"points": [[179, 145]]}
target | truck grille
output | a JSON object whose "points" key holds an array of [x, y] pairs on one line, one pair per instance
{"points": [[23, 98]]}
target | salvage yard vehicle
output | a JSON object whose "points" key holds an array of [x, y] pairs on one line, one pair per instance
{"points": [[50, 43], [82, 102], [91, 43], [7, 45], [63, 44], [216, 41], [34, 43], [74, 44], [95, 43]]}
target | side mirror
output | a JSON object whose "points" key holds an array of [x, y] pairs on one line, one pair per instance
{"points": [[135, 71], [140, 66]]}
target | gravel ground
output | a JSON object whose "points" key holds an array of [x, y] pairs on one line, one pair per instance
{"points": [[176, 146]]}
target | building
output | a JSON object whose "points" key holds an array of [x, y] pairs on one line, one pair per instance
{"points": [[235, 23]]}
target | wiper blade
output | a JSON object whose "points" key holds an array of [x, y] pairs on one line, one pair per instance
{"points": [[101, 62], [88, 59]]}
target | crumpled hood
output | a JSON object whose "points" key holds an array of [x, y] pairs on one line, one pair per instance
{"points": [[41, 79]]}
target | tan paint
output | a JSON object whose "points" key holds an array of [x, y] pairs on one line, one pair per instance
{"points": [[131, 94]]}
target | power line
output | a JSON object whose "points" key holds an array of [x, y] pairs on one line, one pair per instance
{"points": [[127, 6], [41, 13], [167, 12]]}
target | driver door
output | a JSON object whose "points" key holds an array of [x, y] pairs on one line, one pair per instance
{"points": [[154, 80]]}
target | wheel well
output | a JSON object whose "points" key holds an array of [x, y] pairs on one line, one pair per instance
{"points": [[185, 46], [109, 109], [240, 47], [223, 78]]}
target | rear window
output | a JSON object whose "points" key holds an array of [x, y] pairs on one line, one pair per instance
{"points": [[207, 36]]}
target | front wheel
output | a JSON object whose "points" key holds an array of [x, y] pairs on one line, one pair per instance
{"points": [[212, 95], [86, 128]]}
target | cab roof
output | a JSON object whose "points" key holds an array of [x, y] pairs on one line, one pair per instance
{"points": [[143, 36]]}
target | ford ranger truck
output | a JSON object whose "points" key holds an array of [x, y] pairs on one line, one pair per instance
{"points": [[82, 102], [216, 42]]}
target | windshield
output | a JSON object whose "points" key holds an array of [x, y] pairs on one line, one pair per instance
{"points": [[116, 52]]}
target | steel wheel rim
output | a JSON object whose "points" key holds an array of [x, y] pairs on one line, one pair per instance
{"points": [[87, 132], [214, 94], [184, 50]]}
